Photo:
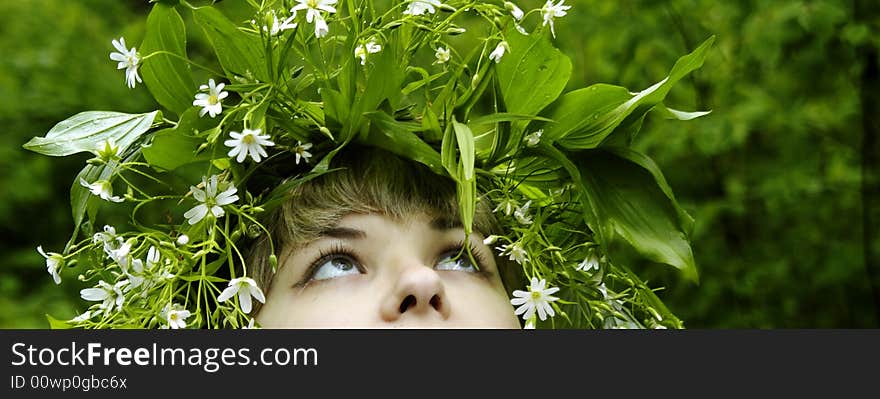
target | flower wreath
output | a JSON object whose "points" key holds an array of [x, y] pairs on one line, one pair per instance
{"points": [[301, 80]]}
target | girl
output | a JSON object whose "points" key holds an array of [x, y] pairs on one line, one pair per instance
{"points": [[379, 244]]}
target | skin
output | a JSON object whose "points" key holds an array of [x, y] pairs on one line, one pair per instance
{"points": [[399, 280]]}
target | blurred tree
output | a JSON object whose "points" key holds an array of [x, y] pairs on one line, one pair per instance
{"points": [[55, 64]]}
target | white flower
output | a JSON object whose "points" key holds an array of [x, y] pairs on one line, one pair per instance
{"points": [[183, 240], [371, 48], [551, 11], [54, 262], [83, 317], [108, 294], [128, 59], [210, 200], [250, 325], [443, 55], [321, 28], [248, 142], [419, 7], [589, 263], [176, 316], [514, 10], [313, 13], [280, 26], [537, 298], [120, 255], [507, 205], [522, 213], [534, 138], [516, 252], [152, 257], [301, 152], [313, 8], [101, 188], [210, 101], [499, 52], [245, 287]]}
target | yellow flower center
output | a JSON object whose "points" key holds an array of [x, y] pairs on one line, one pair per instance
{"points": [[248, 139], [312, 3], [212, 99], [173, 316], [536, 295]]}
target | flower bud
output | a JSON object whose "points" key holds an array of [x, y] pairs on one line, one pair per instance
{"points": [[254, 231], [453, 31], [273, 261], [183, 240], [490, 239]]}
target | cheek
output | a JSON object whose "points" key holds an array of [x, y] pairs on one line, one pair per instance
{"points": [[479, 302], [322, 305]]}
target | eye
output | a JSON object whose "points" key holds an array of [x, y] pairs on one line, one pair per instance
{"points": [[456, 260], [335, 265]]}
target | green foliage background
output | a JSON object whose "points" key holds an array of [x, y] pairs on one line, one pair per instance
{"points": [[772, 176]]}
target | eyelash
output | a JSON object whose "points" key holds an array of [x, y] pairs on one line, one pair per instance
{"points": [[325, 255], [337, 249], [479, 257]]}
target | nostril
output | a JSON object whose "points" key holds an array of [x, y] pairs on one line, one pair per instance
{"points": [[436, 302], [408, 302]]}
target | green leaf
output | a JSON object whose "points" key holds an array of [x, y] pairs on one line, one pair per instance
{"points": [[466, 190], [670, 113], [171, 149], [389, 134], [56, 324], [633, 200], [86, 130], [167, 76], [465, 140], [533, 74], [505, 117], [239, 53], [585, 117]]}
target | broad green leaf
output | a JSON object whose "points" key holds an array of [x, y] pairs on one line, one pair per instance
{"points": [[174, 147], [167, 76], [171, 149], [389, 134], [86, 130], [584, 118], [465, 139], [634, 201], [533, 74], [239, 53]]}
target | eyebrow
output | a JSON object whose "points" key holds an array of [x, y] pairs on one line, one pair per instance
{"points": [[343, 232], [445, 223]]}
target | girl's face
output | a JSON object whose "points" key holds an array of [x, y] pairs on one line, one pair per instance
{"points": [[372, 271]]}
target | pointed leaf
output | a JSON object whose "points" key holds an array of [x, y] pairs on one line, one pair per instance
{"points": [[533, 74], [86, 130], [634, 201], [167, 76], [585, 117], [239, 53]]}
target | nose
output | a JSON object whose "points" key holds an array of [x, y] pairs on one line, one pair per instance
{"points": [[418, 292]]}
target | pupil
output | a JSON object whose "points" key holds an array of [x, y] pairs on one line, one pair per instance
{"points": [[342, 264]]}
